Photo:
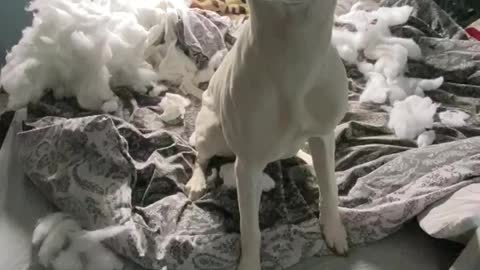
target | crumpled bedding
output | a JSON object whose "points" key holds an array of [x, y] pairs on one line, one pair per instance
{"points": [[202, 33], [132, 167]]}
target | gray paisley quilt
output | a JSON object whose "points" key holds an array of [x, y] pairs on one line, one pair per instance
{"points": [[132, 167]]}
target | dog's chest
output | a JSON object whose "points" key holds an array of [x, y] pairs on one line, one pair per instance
{"points": [[318, 111], [270, 109]]}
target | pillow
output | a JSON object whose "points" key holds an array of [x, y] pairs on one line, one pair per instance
{"points": [[454, 218]]}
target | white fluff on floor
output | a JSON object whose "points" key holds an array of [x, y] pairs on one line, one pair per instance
{"points": [[410, 117], [453, 118], [227, 173], [63, 245], [385, 66], [82, 48], [390, 54], [426, 138], [372, 30], [381, 90], [158, 89], [173, 106]]}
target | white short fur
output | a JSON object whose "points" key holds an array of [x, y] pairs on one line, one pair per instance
{"points": [[282, 84]]}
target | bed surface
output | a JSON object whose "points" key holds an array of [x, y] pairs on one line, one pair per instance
{"points": [[21, 205]]}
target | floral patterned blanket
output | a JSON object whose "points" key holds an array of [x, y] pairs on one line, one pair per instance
{"points": [[132, 167]]}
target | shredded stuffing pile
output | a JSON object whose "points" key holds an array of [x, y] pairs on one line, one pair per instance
{"points": [[83, 48], [382, 59], [453, 118], [411, 116]]}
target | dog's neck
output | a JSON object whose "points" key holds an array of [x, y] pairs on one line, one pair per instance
{"points": [[290, 41], [291, 22]]}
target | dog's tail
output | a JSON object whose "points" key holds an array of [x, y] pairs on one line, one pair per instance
{"points": [[103, 234], [88, 239]]}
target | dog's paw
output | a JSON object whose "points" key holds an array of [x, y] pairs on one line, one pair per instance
{"points": [[335, 236], [196, 188]]}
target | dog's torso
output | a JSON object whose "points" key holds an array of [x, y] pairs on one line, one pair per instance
{"points": [[272, 92], [281, 84]]}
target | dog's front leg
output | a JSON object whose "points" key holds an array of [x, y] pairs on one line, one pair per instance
{"points": [[197, 185], [323, 155], [248, 202]]}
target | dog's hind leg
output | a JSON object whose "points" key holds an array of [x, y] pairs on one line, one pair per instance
{"points": [[323, 155], [248, 190], [209, 141]]}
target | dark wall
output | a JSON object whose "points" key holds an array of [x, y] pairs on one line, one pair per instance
{"points": [[13, 18], [463, 11]]}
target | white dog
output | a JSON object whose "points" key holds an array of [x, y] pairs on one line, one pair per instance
{"points": [[281, 84]]}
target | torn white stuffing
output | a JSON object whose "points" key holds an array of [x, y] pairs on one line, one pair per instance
{"points": [[413, 50], [393, 15], [399, 88], [415, 86], [376, 89], [174, 106], [381, 90], [390, 54], [157, 90], [391, 60], [83, 48], [410, 117], [382, 59], [110, 106], [453, 118], [426, 138], [344, 42]]}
